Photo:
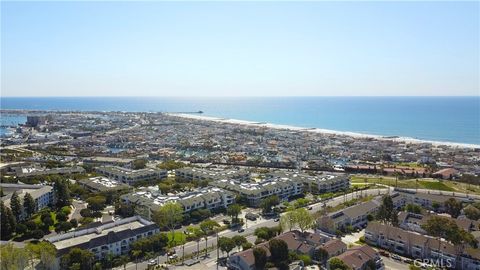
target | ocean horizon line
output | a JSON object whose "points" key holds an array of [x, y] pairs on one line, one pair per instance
{"points": [[239, 96]]}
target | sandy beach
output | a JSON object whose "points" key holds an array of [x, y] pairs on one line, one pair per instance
{"points": [[324, 131]]}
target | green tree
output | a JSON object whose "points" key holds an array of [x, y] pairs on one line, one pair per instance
{"points": [[62, 192], [171, 165], [29, 205], [337, 264], [387, 212], [43, 251], [247, 246], [435, 206], [136, 253], [76, 256], [47, 220], [321, 255], [124, 260], [226, 244], [278, 250], [260, 256], [303, 219], [472, 212], [61, 216], [207, 228], [12, 258], [301, 202], [443, 227], [96, 203], [233, 211], [266, 233], [413, 208], [195, 234], [7, 222], [16, 206], [288, 220], [63, 226], [169, 216], [268, 203], [453, 207], [139, 164], [239, 240], [371, 265]]}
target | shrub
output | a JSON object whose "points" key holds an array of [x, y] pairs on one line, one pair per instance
{"points": [[306, 259], [74, 222], [86, 212], [37, 234], [66, 210], [21, 229], [61, 216]]}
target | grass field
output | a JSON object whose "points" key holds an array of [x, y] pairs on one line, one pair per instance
{"points": [[423, 183]]}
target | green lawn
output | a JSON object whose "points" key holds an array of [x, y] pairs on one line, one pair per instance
{"points": [[435, 185], [423, 183]]}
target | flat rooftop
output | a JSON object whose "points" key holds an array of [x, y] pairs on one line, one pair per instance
{"points": [[75, 238]]}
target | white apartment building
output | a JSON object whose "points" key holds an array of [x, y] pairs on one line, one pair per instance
{"points": [[316, 184], [43, 195], [150, 199], [129, 176], [255, 192], [212, 174], [108, 238]]}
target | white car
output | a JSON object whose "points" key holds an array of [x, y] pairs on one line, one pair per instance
{"points": [[172, 257]]}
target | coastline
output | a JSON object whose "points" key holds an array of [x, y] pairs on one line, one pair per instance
{"points": [[324, 131]]}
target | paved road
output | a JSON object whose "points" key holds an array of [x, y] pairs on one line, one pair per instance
{"points": [[79, 205], [391, 264], [250, 226]]}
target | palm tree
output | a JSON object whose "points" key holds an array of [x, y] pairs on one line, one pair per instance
{"points": [[136, 253], [110, 259], [124, 260]]}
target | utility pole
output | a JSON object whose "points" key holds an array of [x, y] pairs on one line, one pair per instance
{"points": [[183, 254], [218, 255]]}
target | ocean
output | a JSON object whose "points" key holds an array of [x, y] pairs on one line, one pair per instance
{"points": [[446, 119]]}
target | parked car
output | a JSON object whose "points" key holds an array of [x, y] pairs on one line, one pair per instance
{"points": [[276, 220], [396, 257], [384, 253], [172, 257], [241, 230], [251, 216]]}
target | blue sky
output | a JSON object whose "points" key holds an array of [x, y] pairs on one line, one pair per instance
{"points": [[240, 48]]}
